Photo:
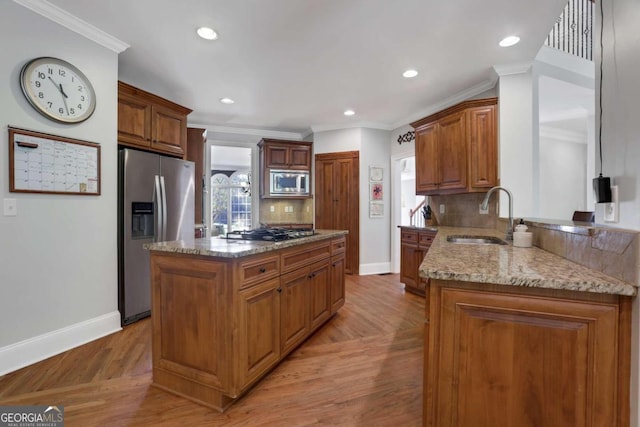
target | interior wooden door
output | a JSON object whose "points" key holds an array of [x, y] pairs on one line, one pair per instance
{"points": [[337, 195]]}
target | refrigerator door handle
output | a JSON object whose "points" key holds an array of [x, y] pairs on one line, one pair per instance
{"points": [[163, 192], [157, 195]]}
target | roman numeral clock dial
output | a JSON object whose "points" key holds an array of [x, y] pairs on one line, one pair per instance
{"points": [[58, 90]]}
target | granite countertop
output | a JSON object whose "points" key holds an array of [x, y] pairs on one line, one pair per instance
{"points": [[513, 266], [229, 248]]}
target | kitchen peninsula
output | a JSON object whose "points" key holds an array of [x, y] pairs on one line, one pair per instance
{"points": [[520, 336], [225, 312]]}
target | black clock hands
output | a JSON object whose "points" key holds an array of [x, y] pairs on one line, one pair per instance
{"points": [[64, 95]]}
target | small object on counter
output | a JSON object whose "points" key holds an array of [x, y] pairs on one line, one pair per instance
{"points": [[521, 237]]}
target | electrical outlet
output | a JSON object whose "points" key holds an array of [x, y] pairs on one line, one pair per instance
{"points": [[10, 207], [290, 208], [483, 211], [441, 209], [611, 209], [272, 208]]}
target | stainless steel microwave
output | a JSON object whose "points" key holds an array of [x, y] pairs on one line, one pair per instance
{"points": [[288, 183]]}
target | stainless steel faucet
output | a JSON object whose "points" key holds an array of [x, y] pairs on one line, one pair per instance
{"points": [[485, 205]]}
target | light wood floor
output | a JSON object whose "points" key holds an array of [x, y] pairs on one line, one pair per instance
{"points": [[363, 368]]}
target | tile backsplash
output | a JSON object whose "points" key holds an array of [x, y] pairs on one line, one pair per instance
{"points": [[287, 211], [612, 251], [462, 210]]}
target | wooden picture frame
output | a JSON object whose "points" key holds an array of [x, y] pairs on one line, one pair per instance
{"points": [[44, 163]]}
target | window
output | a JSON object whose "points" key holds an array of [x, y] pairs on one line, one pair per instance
{"points": [[230, 201]]}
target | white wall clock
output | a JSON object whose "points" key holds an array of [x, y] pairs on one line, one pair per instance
{"points": [[58, 90]]}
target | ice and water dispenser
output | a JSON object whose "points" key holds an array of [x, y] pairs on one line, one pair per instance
{"points": [[142, 220]]}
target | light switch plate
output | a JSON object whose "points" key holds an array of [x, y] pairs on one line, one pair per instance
{"points": [[441, 209], [10, 207]]}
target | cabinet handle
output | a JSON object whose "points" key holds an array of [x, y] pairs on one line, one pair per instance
{"points": [[279, 290], [262, 269], [334, 264]]}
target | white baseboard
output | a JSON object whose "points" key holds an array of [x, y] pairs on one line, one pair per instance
{"points": [[32, 350], [377, 268]]}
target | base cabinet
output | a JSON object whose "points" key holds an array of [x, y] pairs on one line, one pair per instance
{"points": [[414, 245], [220, 324], [525, 357], [260, 329]]}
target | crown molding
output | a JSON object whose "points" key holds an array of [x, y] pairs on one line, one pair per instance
{"points": [[73, 23], [516, 68], [563, 135], [251, 132], [368, 125], [448, 102]]}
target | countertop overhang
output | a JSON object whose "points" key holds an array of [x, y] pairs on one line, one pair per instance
{"points": [[233, 248], [513, 266]]}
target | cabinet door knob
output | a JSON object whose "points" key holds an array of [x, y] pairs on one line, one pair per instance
{"points": [[279, 290], [263, 269]]}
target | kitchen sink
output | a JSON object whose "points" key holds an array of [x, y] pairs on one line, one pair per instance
{"points": [[477, 240]]}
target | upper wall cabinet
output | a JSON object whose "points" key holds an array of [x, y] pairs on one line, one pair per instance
{"points": [[457, 149], [281, 154], [151, 123]]}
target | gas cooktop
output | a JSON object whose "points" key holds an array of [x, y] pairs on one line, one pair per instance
{"points": [[270, 234]]}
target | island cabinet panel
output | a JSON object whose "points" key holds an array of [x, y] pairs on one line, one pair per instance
{"points": [[295, 314], [509, 359], [189, 339], [260, 330], [220, 324], [319, 293]]}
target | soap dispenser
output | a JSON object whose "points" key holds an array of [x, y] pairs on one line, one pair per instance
{"points": [[521, 237]]}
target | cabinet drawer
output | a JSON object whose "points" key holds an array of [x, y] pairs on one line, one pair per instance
{"points": [[425, 239], [338, 246], [258, 269], [305, 255], [409, 236]]}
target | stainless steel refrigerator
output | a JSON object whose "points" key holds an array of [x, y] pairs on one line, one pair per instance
{"points": [[155, 204]]}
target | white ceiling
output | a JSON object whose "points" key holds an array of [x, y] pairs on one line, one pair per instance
{"points": [[296, 65]]}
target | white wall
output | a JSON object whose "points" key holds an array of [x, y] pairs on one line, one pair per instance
{"points": [[621, 135], [58, 256], [563, 167], [375, 234], [515, 132]]}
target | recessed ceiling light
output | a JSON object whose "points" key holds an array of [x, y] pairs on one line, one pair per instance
{"points": [[227, 100], [410, 73], [509, 41], [349, 113], [207, 33]]}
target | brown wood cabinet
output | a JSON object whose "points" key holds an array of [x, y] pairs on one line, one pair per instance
{"points": [[414, 245], [220, 324], [149, 122], [456, 149], [509, 356], [337, 199], [288, 155], [279, 154], [196, 144], [338, 248]]}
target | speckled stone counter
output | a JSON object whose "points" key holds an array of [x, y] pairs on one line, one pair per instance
{"points": [[513, 266], [229, 248]]}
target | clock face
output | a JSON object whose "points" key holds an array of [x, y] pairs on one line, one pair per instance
{"points": [[58, 90]]}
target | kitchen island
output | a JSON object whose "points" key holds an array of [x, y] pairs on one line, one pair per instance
{"points": [[522, 337], [225, 312]]}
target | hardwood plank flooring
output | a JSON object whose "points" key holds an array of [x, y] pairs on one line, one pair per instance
{"points": [[362, 368]]}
